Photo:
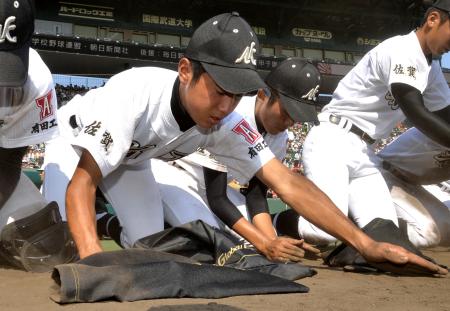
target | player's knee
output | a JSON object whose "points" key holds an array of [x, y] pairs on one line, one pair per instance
{"points": [[424, 235], [313, 235]]}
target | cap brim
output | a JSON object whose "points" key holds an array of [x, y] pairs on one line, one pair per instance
{"points": [[299, 111], [235, 80], [14, 67]]}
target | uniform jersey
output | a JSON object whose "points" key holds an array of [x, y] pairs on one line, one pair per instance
{"points": [[130, 120], [418, 155], [28, 113], [364, 97], [243, 128]]}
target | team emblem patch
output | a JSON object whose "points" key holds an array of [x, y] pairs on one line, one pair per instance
{"points": [[44, 103], [244, 129]]}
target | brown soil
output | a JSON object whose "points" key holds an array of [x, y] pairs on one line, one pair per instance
{"points": [[330, 289]]}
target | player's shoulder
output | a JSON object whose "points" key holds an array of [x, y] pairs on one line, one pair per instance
{"points": [[153, 73], [40, 79], [38, 70], [246, 106], [149, 78], [399, 45]]}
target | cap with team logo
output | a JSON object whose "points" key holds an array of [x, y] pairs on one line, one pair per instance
{"points": [[225, 45], [443, 5], [297, 81], [16, 29]]}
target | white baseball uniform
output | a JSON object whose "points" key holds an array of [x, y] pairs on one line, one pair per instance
{"points": [[342, 164], [183, 188], [424, 207], [123, 125], [31, 119]]}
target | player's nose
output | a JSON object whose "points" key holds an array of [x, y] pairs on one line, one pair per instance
{"points": [[227, 105]]}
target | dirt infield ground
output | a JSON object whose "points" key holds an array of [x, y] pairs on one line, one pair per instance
{"points": [[330, 289]]}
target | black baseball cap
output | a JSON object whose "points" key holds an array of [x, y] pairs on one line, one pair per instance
{"points": [[225, 45], [297, 81], [443, 5], [17, 25]]}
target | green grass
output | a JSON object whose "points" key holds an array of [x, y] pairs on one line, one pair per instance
{"points": [[109, 245]]}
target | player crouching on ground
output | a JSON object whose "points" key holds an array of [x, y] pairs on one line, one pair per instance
{"points": [[395, 80], [110, 134], [32, 235], [195, 187]]}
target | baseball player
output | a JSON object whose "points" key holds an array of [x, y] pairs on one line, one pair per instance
{"points": [[32, 235], [397, 78], [198, 179], [109, 134], [417, 171]]}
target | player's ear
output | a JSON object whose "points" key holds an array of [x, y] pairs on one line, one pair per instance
{"points": [[260, 94], [433, 19], [185, 71]]}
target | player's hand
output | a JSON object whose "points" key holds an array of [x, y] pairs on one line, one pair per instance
{"points": [[288, 249], [379, 253]]}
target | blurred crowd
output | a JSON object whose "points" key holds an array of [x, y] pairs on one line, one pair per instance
{"points": [[66, 93]]}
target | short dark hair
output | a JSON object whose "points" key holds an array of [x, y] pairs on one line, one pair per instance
{"points": [[197, 70], [443, 15]]}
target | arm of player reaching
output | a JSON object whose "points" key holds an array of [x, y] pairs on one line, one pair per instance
{"points": [[80, 198], [258, 208], [411, 102], [310, 202], [282, 249]]}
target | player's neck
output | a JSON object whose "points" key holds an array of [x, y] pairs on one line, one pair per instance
{"points": [[258, 112], [421, 34]]}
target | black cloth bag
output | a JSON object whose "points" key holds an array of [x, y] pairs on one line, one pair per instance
{"points": [[136, 274], [203, 243], [194, 260]]}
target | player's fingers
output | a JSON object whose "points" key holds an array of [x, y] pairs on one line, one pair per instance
{"points": [[287, 257], [308, 247], [422, 262], [282, 248], [292, 249], [399, 255], [303, 245]]}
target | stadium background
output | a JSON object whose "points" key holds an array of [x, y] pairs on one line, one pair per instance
{"points": [[84, 42]]}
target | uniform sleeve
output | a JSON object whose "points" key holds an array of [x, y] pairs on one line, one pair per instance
{"points": [[107, 122], [399, 66], [437, 93], [279, 145], [216, 193], [256, 198], [240, 147]]}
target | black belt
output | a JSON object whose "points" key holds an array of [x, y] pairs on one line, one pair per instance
{"points": [[354, 129]]}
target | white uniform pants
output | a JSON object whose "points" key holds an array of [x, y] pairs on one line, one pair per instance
{"points": [[427, 218], [184, 196], [131, 190], [24, 201], [344, 167]]}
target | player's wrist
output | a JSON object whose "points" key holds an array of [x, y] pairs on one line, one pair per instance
{"points": [[88, 250], [362, 242]]}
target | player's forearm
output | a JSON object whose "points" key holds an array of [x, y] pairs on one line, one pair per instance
{"points": [[81, 219], [251, 234], [263, 223]]}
